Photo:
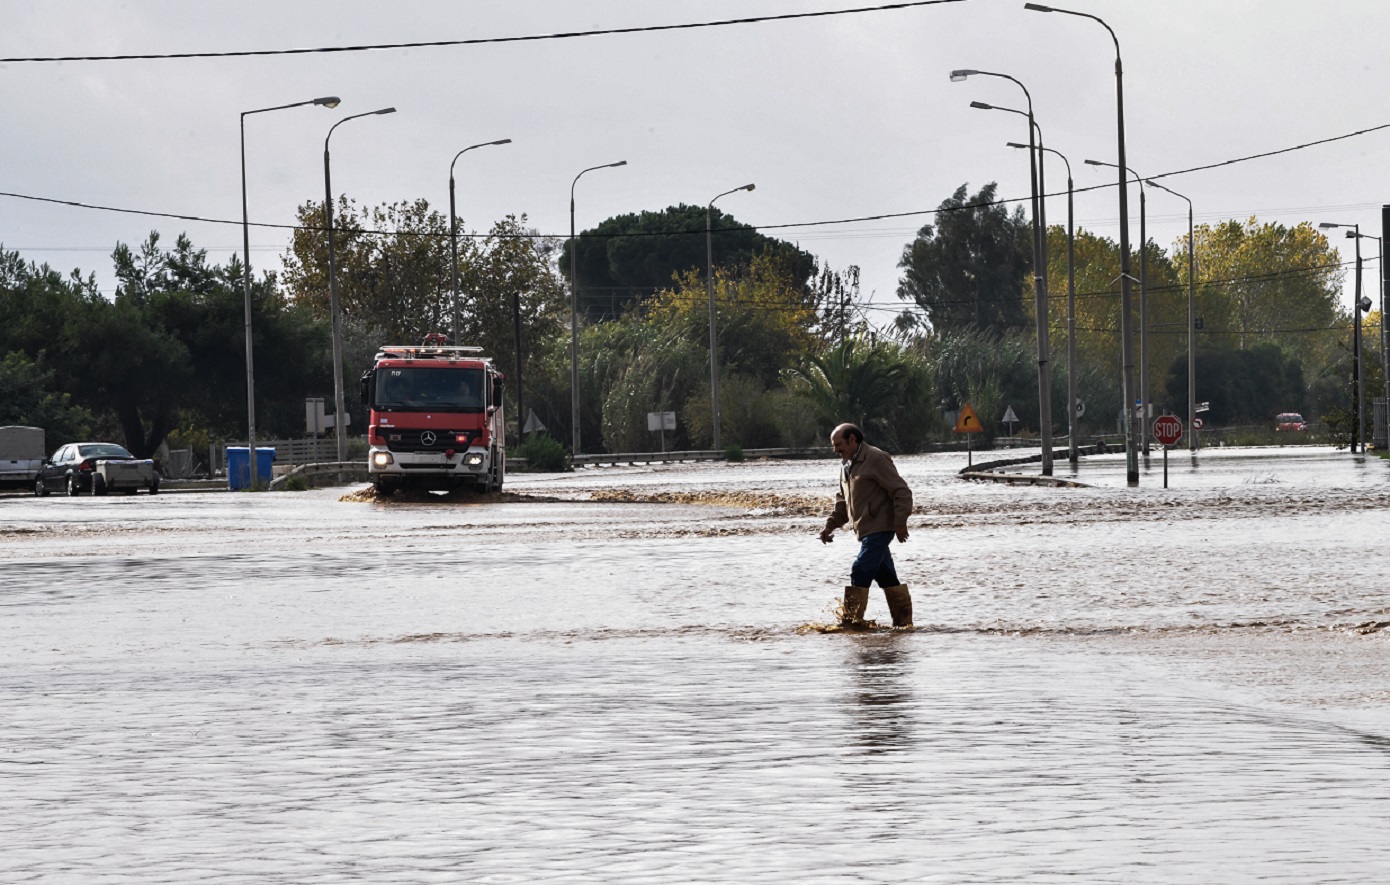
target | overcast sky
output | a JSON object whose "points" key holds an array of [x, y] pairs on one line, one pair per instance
{"points": [[832, 117]]}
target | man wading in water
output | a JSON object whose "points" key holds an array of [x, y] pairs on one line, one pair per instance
{"points": [[876, 501]]}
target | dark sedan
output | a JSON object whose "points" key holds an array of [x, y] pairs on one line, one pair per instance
{"points": [[96, 468]]}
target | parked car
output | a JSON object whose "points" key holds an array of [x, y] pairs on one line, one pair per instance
{"points": [[1289, 421], [97, 468]]}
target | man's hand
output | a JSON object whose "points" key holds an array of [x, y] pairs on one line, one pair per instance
{"points": [[902, 535], [827, 535]]}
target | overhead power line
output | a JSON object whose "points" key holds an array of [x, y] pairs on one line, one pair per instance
{"points": [[477, 41], [77, 204]]}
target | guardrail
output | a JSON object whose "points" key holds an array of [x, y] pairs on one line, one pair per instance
{"points": [[355, 471], [615, 459]]}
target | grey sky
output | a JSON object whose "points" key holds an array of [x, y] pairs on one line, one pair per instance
{"points": [[831, 117]]}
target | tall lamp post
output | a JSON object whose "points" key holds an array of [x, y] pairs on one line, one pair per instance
{"points": [[339, 404], [1384, 326], [1358, 305], [1039, 261], [1071, 304], [1126, 342], [330, 101], [574, 313], [713, 334], [454, 230], [1369, 440], [1145, 407], [1191, 320]]}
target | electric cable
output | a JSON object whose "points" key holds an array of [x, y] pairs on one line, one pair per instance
{"points": [[477, 41]]}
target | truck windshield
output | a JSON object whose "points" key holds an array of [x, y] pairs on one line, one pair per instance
{"points": [[429, 387]]}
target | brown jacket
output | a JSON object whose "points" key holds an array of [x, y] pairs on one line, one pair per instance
{"points": [[873, 497]]}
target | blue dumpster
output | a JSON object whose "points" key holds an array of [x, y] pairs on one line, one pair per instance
{"points": [[239, 466]]}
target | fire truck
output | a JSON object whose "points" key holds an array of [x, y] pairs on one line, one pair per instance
{"points": [[436, 418]]}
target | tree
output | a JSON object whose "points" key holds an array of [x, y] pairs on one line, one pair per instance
{"points": [[656, 357], [392, 261], [509, 273], [1246, 386], [172, 345], [28, 397], [878, 385], [970, 268], [989, 372], [1097, 265], [628, 258], [396, 287], [1268, 282]]}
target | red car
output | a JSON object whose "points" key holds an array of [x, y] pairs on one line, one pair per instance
{"points": [[1289, 421]]}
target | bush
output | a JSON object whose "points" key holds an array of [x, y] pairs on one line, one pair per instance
{"points": [[543, 453], [733, 452]]}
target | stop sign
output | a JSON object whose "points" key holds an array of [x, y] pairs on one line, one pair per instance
{"points": [[1167, 429]]}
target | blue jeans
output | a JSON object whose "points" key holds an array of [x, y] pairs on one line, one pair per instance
{"points": [[874, 562]]}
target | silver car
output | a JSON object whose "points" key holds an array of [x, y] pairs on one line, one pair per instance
{"points": [[97, 468]]}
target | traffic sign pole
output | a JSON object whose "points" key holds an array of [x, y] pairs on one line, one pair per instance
{"points": [[1167, 431]]}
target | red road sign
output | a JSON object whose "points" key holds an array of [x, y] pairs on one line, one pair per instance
{"points": [[1168, 429]]}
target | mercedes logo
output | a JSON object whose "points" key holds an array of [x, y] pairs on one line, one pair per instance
{"points": [[428, 438]]}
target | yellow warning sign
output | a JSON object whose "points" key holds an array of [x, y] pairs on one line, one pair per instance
{"points": [[967, 422]]}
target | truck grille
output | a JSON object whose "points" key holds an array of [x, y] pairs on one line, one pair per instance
{"points": [[428, 440]]}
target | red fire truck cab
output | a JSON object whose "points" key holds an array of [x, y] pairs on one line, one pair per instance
{"points": [[436, 419]]}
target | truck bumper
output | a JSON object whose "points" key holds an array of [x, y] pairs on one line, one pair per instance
{"points": [[427, 470]]}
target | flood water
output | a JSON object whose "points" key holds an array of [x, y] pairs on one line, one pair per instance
{"points": [[604, 679]]}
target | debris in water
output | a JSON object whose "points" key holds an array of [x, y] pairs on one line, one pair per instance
{"points": [[792, 505], [369, 495]]}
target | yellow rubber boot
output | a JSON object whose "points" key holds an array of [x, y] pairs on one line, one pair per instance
{"points": [[856, 601], [899, 605]]}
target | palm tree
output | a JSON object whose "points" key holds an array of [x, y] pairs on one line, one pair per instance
{"points": [[856, 381]]}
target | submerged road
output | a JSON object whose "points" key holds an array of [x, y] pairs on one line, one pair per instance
{"points": [[614, 676]]}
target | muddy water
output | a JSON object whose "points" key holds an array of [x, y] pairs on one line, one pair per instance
{"points": [[1107, 684]]}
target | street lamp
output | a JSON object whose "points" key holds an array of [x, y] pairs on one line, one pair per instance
{"points": [[1126, 344], [1071, 304], [454, 231], [574, 312], [1039, 259], [1145, 407], [713, 335], [330, 101], [1366, 306], [1360, 304], [339, 404], [1191, 321]]}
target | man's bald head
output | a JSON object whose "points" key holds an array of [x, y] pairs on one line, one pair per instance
{"points": [[846, 439]]}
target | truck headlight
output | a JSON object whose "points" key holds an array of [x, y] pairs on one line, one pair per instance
{"points": [[381, 459], [473, 459]]}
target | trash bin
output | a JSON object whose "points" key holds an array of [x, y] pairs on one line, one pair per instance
{"points": [[239, 466]]}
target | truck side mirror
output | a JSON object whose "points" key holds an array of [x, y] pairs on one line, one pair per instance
{"points": [[366, 387], [496, 394]]}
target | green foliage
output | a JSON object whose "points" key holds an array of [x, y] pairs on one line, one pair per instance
{"points": [[628, 258], [296, 483], [969, 269], [395, 289], [400, 283], [989, 373], [733, 452], [28, 397], [167, 350], [1243, 386], [656, 358], [543, 453], [880, 386], [1270, 283], [1340, 426]]}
